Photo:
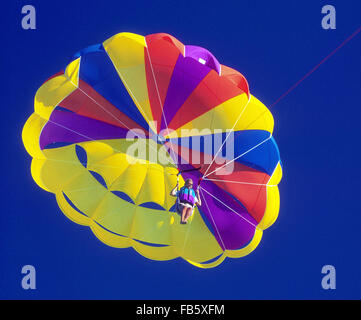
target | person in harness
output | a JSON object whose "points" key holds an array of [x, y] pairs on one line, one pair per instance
{"points": [[187, 198]]}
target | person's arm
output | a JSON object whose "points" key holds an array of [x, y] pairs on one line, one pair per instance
{"points": [[199, 203], [174, 191]]}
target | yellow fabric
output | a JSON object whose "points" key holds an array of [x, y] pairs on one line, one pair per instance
{"points": [[126, 50], [273, 199], [108, 215], [52, 92], [252, 115]]}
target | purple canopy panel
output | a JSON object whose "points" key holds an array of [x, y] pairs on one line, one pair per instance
{"points": [[233, 227], [203, 56], [187, 75], [69, 127]]}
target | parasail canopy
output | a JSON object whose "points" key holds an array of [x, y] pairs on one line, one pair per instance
{"points": [[110, 133]]}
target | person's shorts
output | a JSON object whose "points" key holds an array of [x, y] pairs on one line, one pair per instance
{"points": [[187, 205]]}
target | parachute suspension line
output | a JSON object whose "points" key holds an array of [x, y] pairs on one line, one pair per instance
{"points": [[210, 127], [98, 104], [89, 139], [188, 170], [78, 133], [210, 213], [229, 133], [227, 163], [84, 136], [245, 219], [160, 102], [61, 100], [241, 182], [131, 92]]}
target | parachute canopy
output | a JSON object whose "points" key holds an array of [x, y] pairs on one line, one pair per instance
{"points": [[109, 135]]}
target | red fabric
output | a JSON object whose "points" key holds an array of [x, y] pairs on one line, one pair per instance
{"points": [[211, 92], [163, 50], [103, 110], [236, 78]]}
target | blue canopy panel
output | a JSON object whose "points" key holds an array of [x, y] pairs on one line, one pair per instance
{"points": [[97, 70], [254, 148]]}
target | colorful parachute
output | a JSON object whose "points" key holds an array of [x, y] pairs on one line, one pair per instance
{"points": [[185, 110]]}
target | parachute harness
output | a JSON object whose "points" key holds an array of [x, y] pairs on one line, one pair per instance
{"points": [[188, 191]]}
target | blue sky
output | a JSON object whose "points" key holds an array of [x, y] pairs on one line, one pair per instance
{"points": [[317, 128]]}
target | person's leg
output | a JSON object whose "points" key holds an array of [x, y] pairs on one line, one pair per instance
{"points": [[184, 212], [188, 214]]}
